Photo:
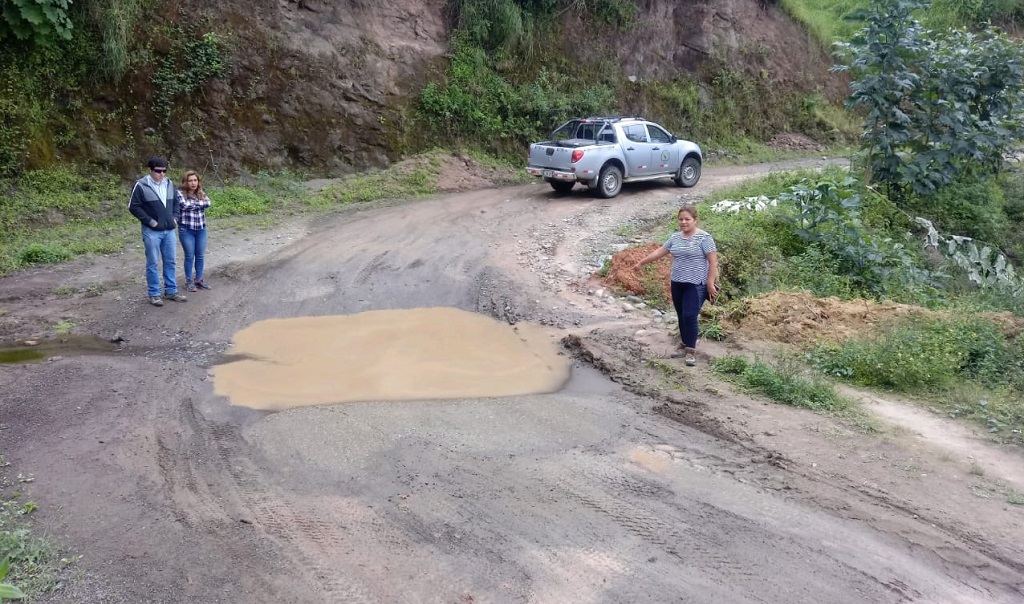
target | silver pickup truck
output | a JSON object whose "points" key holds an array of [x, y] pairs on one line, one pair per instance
{"points": [[604, 152]]}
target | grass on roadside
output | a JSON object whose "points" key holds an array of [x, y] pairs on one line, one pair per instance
{"points": [[783, 382], [52, 215], [962, 365], [35, 564]]}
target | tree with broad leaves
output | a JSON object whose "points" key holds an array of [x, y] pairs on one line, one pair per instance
{"points": [[937, 106]]}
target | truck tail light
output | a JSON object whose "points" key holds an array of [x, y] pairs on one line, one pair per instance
{"points": [[577, 155]]}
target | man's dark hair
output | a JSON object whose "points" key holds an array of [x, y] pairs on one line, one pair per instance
{"points": [[157, 162]]}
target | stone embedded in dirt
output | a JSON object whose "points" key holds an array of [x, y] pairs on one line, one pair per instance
{"points": [[30, 342]]}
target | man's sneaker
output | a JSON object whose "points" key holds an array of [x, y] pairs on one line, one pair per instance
{"points": [[201, 284], [190, 286], [690, 358], [176, 297], [156, 301]]}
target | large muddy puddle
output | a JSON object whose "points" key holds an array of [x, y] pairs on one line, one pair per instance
{"points": [[388, 355]]}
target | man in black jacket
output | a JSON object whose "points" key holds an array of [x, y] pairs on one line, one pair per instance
{"points": [[154, 201]]}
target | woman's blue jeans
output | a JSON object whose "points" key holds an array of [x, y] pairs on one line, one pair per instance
{"points": [[688, 298], [194, 244], [159, 249]]}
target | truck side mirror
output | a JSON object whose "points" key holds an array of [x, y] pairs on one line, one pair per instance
{"points": [[672, 138]]}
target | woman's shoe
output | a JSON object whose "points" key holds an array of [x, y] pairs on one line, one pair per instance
{"points": [[690, 357], [199, 283], [190, 286]]}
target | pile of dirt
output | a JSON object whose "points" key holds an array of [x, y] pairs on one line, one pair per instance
{"points": [[621, 275], [800, 318], [460, 173], [795, 142]]}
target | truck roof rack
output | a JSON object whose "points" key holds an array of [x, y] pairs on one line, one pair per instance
{"points": [[607, 118]]}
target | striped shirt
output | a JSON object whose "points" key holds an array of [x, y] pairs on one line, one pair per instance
{"points": [[690, 256], [193, 211]]}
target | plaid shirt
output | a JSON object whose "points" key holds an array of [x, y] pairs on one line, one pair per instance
{"points": [[193, 212]]}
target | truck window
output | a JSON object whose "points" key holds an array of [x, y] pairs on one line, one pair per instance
{"points": [[586, 132], [658, 135], [564, 131], [636, 133]]}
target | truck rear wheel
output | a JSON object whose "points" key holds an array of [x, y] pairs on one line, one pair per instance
{"points": [[561, 186], [689, 172], [609, 183]]}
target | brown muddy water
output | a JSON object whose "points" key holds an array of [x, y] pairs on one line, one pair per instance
{"points": [[388, 355]]}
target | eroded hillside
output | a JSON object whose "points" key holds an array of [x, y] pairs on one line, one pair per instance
{"points": [[332, 86]]}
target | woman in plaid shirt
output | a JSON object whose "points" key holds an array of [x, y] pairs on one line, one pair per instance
{"points": [[192, 229]]}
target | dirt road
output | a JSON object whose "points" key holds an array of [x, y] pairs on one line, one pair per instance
{"points": [[595, 493]]}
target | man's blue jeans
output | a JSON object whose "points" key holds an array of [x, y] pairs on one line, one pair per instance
{"points": [[159, 246], [193, 243]]}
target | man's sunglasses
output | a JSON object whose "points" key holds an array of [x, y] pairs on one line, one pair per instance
{"points": [[159, 170]]}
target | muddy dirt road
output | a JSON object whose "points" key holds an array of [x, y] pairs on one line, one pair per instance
{"points": [[593, 494]]}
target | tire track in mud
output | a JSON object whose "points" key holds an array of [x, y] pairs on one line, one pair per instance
{"points": [[709, 544], [320, 547], [305, 540]]}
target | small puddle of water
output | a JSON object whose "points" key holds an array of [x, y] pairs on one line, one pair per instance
{"points": [[388, 355], [71, 345]]}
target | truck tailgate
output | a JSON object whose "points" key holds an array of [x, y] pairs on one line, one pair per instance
{"points": [[550, 156]]}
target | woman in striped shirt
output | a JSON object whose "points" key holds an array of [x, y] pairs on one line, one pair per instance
{"points": [[694, 275], [192, 229]]}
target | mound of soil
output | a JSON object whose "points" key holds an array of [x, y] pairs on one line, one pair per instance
{"points": [[622, 277], [801, 318]]}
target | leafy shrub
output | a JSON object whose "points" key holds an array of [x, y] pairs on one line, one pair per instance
{"points": [[479, 102], [38, 253], [923, 354], [39, 20], [1011, 183], [747, 245], [814, 271], [971, 206]]}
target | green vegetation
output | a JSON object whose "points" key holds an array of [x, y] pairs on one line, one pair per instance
{"points": [[506, 85], [63, 327], [36, 20], [116, 20], [190, 63], [837, 20], [7, 590], [34, 566], [389, 184], [938, 106], [783, 382], [961, 363], [53, 215], [926, 354], [87, 50]]}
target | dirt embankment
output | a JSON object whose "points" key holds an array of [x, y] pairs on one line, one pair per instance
{"points": [[330, 86]]}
